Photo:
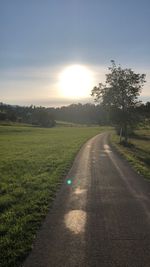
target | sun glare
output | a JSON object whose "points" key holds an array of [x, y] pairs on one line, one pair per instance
{"points": [[75, 81]]}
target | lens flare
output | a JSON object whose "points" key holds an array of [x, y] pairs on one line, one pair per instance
{"points": [[69, 181]]}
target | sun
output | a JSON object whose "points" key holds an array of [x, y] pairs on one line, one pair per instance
{"points": [[75, 81]]}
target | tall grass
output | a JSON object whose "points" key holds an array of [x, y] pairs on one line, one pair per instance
{"points": [[138, 152]]}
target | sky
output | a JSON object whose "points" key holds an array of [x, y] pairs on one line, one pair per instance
{"points": [[46, 46]]}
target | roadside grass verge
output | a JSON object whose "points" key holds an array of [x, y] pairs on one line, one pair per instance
{"points": [[138, 152], [33, 163]]}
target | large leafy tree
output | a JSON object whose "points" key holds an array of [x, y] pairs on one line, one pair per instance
{"points": [[119, 95]]}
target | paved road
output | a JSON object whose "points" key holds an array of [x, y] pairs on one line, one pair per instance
{"points": [[102, 219]]}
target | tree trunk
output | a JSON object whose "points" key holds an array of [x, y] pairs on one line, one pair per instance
{"points": [[120, 135], [125, 133]]}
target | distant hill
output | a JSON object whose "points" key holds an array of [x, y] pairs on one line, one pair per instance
{"points": [[88, 114]]}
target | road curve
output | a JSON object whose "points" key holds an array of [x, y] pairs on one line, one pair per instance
{"points": [[101, 219]]}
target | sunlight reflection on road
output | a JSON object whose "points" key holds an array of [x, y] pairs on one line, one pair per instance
{"points": [[79, 191], [75, 221], [107, 148]]}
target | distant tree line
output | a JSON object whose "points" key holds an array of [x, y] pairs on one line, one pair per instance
{"points": [[76, 113], [82, 114], [38, 116]]}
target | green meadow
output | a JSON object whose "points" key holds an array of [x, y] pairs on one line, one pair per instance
{"points": [[138, 151], [33, 163]]}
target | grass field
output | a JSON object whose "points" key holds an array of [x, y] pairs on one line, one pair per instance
{"points": [[138, 153], [33, 162]]}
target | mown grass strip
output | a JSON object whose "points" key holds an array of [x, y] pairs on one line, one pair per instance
{"points": [[33, 162]]}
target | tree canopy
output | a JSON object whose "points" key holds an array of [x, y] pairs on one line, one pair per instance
{"points": [[119, 95]]}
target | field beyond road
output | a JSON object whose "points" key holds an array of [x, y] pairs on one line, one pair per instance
{"points": [[33, 162]]}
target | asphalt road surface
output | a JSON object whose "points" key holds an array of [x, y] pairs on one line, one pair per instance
{"points": [[101, 219]]}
